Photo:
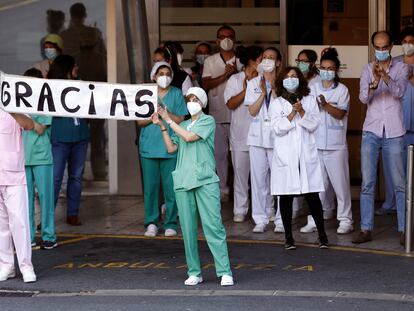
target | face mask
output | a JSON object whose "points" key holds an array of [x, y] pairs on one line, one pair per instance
{"points": [[268, 65], [193, 108], [50, 53], [226, 44], [327, 75], [291, 84], [304, 67], [408, 49], [179, 59], [164, 81], [382, 56], [200, 58]]}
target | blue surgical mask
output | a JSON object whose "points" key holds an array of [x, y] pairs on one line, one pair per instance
{"points": [[304, 67], [382, 56], [51, 53], [200, 58], [327, 75], [291, 84]]}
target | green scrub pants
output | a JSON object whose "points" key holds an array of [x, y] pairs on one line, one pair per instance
{"points": [[205, 200], [42, 177], [152, 170]]}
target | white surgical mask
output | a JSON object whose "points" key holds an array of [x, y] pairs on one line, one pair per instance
{"points": [[267, 65], [179, 59], [291, 84], [164, 81], [193, 108], [408, 49], [226, 44]]}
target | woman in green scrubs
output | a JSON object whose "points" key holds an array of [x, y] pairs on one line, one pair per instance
{"points": [[196, 184], [156, 162]]}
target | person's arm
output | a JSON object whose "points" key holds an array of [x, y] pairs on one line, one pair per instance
{"points": [[39, 128], [232, 97], [398, 85], [254, 109], [209, 82], [171, 147], [25, 122], [175, 118], [333, 111], [310, 118], [366, 88], [143, 123], [187, 136]]}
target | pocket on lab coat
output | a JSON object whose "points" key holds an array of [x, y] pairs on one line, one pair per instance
{"points": [[311, 154], [281, 155], [336, 136]]}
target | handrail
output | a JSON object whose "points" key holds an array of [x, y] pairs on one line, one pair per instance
{"points": [[409, 199]]}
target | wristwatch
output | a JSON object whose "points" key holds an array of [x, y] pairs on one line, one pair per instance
{"points": [[373, 85]]}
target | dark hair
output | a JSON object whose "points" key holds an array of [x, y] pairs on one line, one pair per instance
{"points": [[208, 45], [225, 27], [162, 67], [61, 67], [176, 45], [159, 51], [55, 20], [252, 52], [303, 89], [33, 72], [170, 56], [383, 32], [313, 57], [407, 31], [332, 55], [78, 10]]}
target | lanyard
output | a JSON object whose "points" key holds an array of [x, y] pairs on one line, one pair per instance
{"points": [[267, 98]]}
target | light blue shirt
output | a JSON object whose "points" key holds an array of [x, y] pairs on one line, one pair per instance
{"points": [[408, 101]]}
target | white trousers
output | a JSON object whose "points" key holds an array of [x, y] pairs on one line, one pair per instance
{"points": [[14, 227], [335, 172], [221, 153], [262, 201], [241, 167]]}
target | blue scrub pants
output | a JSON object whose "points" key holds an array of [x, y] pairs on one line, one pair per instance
{"points": [[41, 176]]}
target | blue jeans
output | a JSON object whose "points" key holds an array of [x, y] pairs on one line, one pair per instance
{"points": [[389, 203], [73, 154], [392, 155]]}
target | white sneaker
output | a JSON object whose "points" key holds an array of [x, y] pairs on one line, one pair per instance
{"points": [[193, 280], [259, 228], [279, 228], [239, 218], [344, 229], [308, 228], [170, 232], [227, 280], [29, 276], [152, 231], [329, 214], [6, 274]]}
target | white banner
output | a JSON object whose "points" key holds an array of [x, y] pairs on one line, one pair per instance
{"points": [[75, 98]]}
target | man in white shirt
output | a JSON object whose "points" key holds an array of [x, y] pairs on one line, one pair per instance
{"points": [[218, 68]]}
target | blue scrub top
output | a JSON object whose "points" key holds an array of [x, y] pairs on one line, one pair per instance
{"points": [[151, 143]]}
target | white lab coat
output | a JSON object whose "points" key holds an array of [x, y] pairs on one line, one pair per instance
{"points": [[295, 165]]}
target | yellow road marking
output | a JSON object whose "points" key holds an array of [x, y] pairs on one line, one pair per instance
{"points": [[15, 5], [242, 241]]}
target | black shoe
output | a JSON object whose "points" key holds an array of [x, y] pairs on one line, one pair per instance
{"points": [[290, 244], [49, 244], [323, 242]]}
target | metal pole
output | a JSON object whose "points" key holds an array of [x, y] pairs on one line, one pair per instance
{"points": [[409, 201]]}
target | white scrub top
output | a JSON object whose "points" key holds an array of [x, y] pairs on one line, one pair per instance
{"points": [[240, 117], [260, 131], [214, 66], [331, 133]]}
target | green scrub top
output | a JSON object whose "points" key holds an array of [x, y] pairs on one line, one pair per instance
{"points": [[196, 165], [38, 149], [69, 130], [151, 143]]}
